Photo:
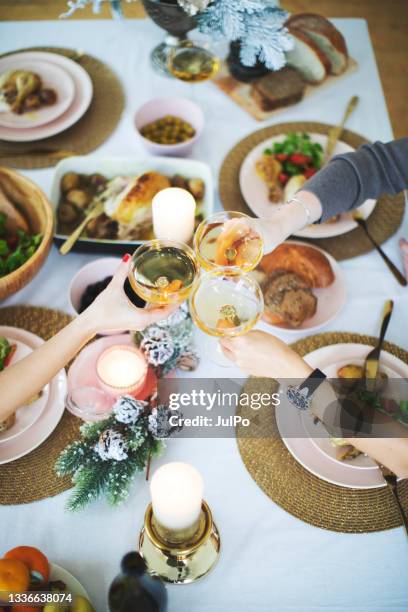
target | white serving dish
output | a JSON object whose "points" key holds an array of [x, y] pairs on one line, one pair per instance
{"points": [[133, 166]]}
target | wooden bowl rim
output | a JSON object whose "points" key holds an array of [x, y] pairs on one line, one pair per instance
{"points": [[48, 230]]}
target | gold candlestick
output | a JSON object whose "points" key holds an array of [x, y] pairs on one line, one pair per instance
{"points": [[180, 557]]}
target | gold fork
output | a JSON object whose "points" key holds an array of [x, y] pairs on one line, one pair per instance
{"points": [[94, 212], [392, 484]]}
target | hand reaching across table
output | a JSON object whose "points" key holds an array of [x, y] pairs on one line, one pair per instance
{"points": [[263, 355], [341, 186], [111, 310]]}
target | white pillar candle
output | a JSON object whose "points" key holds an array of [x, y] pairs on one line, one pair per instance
{"points": [[173, 212], [177, 493], [121, 369]]}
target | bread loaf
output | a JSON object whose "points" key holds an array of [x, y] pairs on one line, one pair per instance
{"points": [[307, 57], [278, 89], [326, 36], [311, 265]]}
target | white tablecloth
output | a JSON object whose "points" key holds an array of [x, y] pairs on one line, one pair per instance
{"points": [[270, 560]]}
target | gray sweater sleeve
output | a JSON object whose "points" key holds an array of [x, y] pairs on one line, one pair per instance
{"points": [[350, 179]]}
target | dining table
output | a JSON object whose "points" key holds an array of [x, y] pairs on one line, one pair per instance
{"points": [[269, 559]]}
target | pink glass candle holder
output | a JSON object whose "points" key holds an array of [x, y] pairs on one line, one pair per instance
{"points": [[121, 370]]}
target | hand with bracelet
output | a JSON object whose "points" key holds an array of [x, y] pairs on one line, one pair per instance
{"points": [[342, 185], [263, 355]]}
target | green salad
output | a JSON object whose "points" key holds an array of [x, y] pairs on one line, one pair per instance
{"points": [[15, 249]]}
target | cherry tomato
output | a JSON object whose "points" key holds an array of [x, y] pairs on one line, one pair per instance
{"points": [[281, 156], [12, 242], [283, 178], [299, 159], [309, 172], [10, 355]]}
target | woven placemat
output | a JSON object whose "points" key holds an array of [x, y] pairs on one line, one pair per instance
{"points": [[299, 492], [383, 222], [32, 477], [88, 133]]}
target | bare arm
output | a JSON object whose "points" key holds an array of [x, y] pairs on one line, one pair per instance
{"points": [[111, 310]]}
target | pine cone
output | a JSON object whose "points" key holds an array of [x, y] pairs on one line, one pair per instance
{"points": [[127, 409], [157, 345], [111, 445]]}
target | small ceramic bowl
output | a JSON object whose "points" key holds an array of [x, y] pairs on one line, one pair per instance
{"points": [[179, 107], [91, 273]]}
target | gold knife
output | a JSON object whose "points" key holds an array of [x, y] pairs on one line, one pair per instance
{"points": [[335, 132], [372, 360]]}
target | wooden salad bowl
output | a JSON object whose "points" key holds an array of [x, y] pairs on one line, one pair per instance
{"points": [[31, 201]]}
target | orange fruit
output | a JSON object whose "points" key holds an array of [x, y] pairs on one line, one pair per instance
{"points": [[14, 576], [35, 560]]}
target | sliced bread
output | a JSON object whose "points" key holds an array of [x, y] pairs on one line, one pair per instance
{"points": [[307, 57], [327, 37], [277, 89]]}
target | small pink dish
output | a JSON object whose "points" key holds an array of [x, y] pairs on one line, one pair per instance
{"points": [[179, 107], [91, 273]]}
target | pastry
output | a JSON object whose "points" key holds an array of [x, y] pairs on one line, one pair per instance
{"points": [[311, 265], [288, 300]]}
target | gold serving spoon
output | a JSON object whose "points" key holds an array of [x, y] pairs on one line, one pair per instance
{"points": [[358, 217], [335, 132], [94, 212]]}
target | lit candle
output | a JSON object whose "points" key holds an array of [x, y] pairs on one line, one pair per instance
{"points": [[177, 493], [173, 214], [121, 370]]}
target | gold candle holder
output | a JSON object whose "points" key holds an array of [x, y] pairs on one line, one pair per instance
{"points": [[180, 557]]}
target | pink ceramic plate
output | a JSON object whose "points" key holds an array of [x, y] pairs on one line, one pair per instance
{"points": [[255, 191], [26, 416], [314, 461], [52, 76], [330, 300], [329, 359], [315, 457], [33, 437], [80, 103]]}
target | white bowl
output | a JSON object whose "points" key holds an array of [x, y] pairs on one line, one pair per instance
{"points": [[89, 274], [179, 107]]}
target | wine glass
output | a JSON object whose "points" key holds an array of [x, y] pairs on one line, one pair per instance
{"points": [[192, 63], [163, 271], [230, 240], [225, 305]]}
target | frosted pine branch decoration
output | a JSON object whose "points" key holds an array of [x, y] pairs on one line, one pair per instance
{"points": [[257, 24]]}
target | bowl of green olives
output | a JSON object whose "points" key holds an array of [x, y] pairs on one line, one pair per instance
{"points": [[169, 126]]}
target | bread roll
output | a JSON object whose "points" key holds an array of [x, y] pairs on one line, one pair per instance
{"points": [[308, 263]]}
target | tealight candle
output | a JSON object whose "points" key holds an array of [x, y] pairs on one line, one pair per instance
{"points": [[121, 369], [173, 212], [177, 492]]}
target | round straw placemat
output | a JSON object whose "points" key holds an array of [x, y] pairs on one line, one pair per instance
{"points": [[296, 490], [33, 477], [382, 223], [87, 134]]}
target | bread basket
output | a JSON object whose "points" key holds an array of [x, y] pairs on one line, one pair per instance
{"points": [[35, 207]]}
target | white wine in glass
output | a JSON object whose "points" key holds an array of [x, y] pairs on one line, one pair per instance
{"points": [[229, 240], [163, 271], [225, 305]]}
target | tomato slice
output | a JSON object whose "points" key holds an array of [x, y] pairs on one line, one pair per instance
{"points": [[10, 355]]}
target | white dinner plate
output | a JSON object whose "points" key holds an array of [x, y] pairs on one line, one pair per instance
{"points": [[82, 99], [72, 584], [38, 432], [330, 300], [316, 454], [54, 77], [27, 415], [255, 191]]}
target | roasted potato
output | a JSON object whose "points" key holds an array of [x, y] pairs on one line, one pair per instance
{"points": [[78, 197], [67, 213], [70, 180], [197, 188]]}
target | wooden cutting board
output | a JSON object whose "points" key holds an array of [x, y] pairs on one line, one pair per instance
{"points": [[241, 92]]}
